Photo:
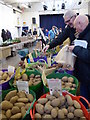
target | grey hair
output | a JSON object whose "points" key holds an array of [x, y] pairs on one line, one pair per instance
{"points": [[70, 13]]}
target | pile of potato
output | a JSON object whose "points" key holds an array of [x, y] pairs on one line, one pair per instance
{"points": [[32, 79], [58, 107], [5, 76], [68, 83], [15, 105]]}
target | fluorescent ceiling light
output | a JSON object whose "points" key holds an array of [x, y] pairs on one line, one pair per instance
{"points": [[24, 5]]}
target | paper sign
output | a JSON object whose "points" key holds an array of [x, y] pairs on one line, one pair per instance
{"points": [[26, 64], [49, 61], [54, 85], [81, 43], [22, 86], [30, 57], [17, 73], [11, 68]]}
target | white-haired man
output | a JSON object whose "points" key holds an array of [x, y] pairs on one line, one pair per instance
{"points": [[69, 31], [82, 64]]}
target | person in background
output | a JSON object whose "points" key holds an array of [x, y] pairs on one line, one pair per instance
{"points": [[3, 35], [30, 32], [8, 34], [82, 64], [69, 31], [51, 34], [60, 30], [35, 31], [46, 32], [24, 33]]}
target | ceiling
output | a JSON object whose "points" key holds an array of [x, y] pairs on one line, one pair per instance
{"points": [[28, 4]]}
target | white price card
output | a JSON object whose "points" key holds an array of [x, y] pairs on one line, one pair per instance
{"points": [[54, 85], [11, 69], [22, 86]]}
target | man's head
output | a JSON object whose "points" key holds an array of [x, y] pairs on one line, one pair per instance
{"points": [[69, 18], [81, 22], [53, 28]]}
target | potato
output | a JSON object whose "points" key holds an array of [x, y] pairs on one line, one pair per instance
{"points": [[56, 94], [30, 97], [36, 83], [65, 79], [6, 105], [24, 77], [21, 94], [71, 109], [82, 118], [10, 95], [60, 114], [48, 103], [54, 113], [65, 111], [70, 115], [38, 79], [70, 79], [4, 76], [47, 116], [24, 100], [30, 83], [3, 117], [55, 102], [15, 110], [78, 113], [42, 100], [62, 100], [48, 108], [8, 113], [37, 115], [1, 73], [39, 108], [16, 116], [74, 85], [68, 84], [37, 76], [19, 104], [50, 97], [76, 104], [13, 99], [2, 112], [32, 76], [69, 100], [23, 111], [27, 106]]}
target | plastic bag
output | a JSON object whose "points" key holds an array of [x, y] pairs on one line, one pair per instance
{"points": [[65, 56]]}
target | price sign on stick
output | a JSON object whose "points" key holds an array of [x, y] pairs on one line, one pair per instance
{"points": [[54, 85], [22, 86], [11, 69]]}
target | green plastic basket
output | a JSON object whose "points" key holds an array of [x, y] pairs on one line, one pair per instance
{"points": [[60, 75], [4, 92], [36, 88]]}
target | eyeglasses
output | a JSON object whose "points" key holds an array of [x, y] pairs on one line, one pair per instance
{"points": [[69, 20]]}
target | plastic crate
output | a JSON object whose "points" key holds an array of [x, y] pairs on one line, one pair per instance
{"points": [[60, 75], [77, 98], [30, 91]]}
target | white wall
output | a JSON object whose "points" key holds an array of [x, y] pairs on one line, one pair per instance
{"points": [[8, 20]]}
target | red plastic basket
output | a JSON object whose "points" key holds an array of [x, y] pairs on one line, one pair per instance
{"points": [[77, 98]]}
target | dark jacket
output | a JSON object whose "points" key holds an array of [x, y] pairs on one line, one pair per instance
{"points": [[82, 64], [68, 32]]}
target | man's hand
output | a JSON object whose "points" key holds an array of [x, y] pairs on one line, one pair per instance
{"points": [[71, 48], [45, 48]]}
